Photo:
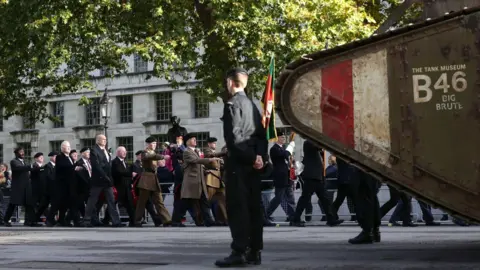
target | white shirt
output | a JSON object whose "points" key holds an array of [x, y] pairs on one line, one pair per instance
{"points": [[105, 152], [89, 168], [123, 162], [53, 163]]}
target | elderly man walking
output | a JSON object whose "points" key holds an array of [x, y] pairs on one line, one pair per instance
{"points": [[101, 181]]}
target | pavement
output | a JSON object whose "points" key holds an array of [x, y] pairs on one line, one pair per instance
{"points": [[312, 247]]}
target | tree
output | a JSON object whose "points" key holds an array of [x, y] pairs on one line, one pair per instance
{"points": [[49, 48]]}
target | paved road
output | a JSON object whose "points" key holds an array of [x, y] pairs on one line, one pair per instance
{"points": [[445, 247]]}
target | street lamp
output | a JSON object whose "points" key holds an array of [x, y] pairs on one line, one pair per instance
{"points": [[106, 106]]}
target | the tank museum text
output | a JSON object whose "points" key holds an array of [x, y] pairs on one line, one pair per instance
{"points": [[450, 79]]}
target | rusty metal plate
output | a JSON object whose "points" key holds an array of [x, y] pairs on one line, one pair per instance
{"points": [[403, 106]]}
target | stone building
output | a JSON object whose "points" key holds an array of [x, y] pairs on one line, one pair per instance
{"points": [[142, 106]]}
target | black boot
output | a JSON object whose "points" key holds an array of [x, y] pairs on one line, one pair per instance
{"points": [[235, 259], [365, 237], [254, 257], [333, 223], [297, 224], [376, 235]]}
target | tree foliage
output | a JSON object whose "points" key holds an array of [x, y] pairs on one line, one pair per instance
{"points": [[50, 47]]}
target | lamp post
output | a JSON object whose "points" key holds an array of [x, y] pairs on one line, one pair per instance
{"points": [[106, 105]]}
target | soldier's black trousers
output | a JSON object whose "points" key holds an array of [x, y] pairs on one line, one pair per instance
{"points": [[244, 208], [367, 207]]}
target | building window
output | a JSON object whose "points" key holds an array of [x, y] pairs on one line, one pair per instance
{"points": [[58, 112], [127, 142], [93, 112], [201, 105], [27, 147], [161, 137], [126, 109], [1, 119], [56, 146], [202, 138], [90, 143], [140, 65], [1, 153], [163, 103], [28, 121], [104, 71]]}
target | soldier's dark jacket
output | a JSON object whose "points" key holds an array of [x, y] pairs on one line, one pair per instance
{"points": [[243, 130]]}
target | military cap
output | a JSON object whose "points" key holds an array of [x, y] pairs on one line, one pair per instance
{"points": [[73, 151], [211, 140], [189, 136], [39, 154], [139, 152], [84, 149], [237, 70], [280, 133], [150, 139], [53, 153]]}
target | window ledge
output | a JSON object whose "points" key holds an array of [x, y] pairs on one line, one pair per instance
{"points": [[156, 122], [77, 128], [25, 131]]}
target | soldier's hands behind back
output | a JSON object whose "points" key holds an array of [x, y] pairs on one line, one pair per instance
{"points": [[258, 163]]}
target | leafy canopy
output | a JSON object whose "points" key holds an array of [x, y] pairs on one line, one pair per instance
{"points": [[48, 48]]}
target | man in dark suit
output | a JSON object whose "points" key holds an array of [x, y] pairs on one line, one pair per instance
{"points": [[80, 185], [314, 182], [64, 176], [122, 178], [21, 191], [101, 182], [37, 179], [48, 178], [281, 175]]}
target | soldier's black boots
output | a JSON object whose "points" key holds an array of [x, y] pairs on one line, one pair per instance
{"points": [[376, 235], [365, 237], [234, 260], [254, 257]]}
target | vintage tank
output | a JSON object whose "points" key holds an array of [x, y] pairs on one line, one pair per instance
{"points": [[403, 106]]}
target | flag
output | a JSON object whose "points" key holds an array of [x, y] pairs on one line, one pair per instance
{"points": [[268, 104]]}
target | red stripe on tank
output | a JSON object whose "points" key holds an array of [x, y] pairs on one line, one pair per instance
{"points": [[337, 103]]}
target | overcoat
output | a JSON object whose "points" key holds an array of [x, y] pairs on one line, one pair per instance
{"points": [[21, 189], [193, 175]]}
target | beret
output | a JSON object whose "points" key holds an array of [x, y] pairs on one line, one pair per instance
{"points": [[211, 139], [237, 70], [139, 152], [53, 153], [150, 139], [73, 151], [38, 155]]}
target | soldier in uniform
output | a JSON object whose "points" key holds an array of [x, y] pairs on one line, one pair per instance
{"points": [[148, 185], [215, 185], [247, 149]]}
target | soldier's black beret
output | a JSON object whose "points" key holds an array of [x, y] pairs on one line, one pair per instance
{"points": [[53, 153], [139, 152], [73, 151], [39, 154], [189, 136], [211, 139], [84, 149], [237, 70], [150, 139], [280, 133]]}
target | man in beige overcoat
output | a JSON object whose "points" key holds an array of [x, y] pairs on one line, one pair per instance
{"points": [[194, 189]]}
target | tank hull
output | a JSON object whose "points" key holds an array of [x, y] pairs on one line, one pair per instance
{"points": [[403, 106]]}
